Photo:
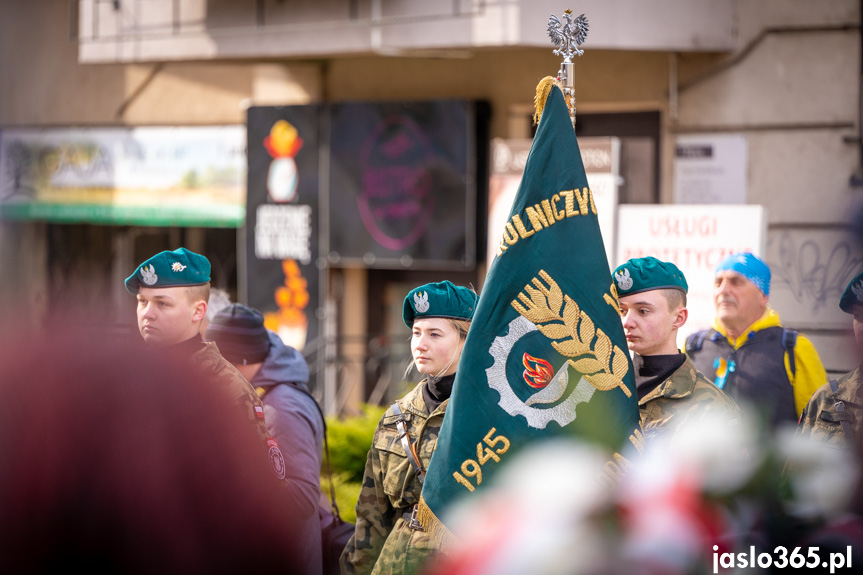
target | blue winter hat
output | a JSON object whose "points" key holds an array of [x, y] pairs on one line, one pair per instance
{"points": [[750, 267], [442, 299]]}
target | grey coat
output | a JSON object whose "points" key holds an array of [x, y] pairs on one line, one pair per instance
{"points": [[295, 423]]}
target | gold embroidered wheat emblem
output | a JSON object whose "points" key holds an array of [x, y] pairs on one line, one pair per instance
{"points": [[574, 335]]}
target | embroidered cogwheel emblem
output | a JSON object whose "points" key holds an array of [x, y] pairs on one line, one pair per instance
{"points": [[563, 412], [148, 275], [624, 281]]}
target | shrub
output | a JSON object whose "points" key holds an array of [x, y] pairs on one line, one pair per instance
{"points": [[350, 439]]}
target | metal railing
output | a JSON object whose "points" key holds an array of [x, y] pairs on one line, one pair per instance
{"points": [[382, 365]]}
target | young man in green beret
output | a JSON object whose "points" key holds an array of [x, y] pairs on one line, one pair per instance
{"points": [[835, 412], [671, 392], [172, 289]]}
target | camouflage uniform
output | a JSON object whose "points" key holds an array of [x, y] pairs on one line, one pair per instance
{"points": [[821, 420], [383, 541], [685, 397], [232, 383]]}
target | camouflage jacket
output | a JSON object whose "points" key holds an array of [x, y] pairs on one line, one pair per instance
{"points": [[383, 542], [684, 397], [209, 359], [821, 420]]}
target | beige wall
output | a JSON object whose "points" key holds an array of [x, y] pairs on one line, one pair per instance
{"points": [[153, 30], [791, 88]]}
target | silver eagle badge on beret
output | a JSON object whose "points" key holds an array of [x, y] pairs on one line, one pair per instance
{"points": [[148, 274]]}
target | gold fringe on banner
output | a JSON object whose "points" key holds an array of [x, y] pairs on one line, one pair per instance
{"points": [[441, 537], [543, 89]]}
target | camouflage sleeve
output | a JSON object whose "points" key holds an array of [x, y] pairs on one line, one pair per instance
{"points": [[375, 519], [722, 404], [239, 391], [810, 413], [708, 401]]}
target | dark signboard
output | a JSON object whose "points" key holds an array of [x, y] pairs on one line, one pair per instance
{"points": [[282, 219], [402, 184]]}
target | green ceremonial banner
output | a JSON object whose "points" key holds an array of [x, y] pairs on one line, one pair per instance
{"points": [[545, 354]]}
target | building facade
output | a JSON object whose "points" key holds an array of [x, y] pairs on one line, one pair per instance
{"points": [[782, 77]]}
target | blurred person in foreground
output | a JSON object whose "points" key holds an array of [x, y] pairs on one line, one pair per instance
{"points": [[389, 538], [113, 463], [280, 376], [748, 353], [671, 392], [835, 412]]}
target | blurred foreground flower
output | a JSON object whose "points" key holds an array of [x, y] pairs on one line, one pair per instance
{"points": [[551, 512], [542, 504]]}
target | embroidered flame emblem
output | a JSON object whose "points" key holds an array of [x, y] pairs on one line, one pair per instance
{"points": [[537, 372]]}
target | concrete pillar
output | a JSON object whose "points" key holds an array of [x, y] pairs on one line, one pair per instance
{"points": [[353, 303]]}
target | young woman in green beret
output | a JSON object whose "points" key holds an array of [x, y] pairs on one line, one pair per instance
{"points": [[388, 537]]}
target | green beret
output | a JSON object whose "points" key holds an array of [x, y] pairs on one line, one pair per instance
{"points": [[646, 274], [170, 269], [442, 299], [853, 294]]}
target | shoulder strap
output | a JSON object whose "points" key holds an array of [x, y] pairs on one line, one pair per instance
{"points": [[840, 408], [262, 391], [789, 340], [696, 340], [406, 443]]}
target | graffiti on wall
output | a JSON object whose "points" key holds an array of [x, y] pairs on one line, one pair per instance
{"points": [[810, 269]]}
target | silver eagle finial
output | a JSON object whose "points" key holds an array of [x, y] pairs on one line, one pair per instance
{"points": [[568, 37]]}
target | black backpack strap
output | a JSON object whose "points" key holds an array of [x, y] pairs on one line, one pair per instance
{"points": [[839, 405], [696, 340], [789, 340]]}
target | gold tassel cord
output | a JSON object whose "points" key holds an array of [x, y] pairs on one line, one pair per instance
{"points": [[441, 537], [543, 89]]}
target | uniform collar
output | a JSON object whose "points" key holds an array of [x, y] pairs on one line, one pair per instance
{"points": [[208, 346], [414, 403], [678, 385], [185, 348], [769, 319]]}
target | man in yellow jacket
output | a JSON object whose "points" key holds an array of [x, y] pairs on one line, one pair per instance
{"points": [[748, 353]]}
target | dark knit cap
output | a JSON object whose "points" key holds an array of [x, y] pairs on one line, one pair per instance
{"points": [[239, 332]]}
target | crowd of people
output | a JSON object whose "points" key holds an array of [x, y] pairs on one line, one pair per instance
{"points": [[204, 452]]}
